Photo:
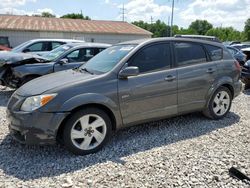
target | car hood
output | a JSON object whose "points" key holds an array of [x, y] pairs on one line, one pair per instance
{"points": [[53, 81], [13, 58]]}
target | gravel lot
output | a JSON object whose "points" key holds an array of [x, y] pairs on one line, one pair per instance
{"points": [[186, 151]]}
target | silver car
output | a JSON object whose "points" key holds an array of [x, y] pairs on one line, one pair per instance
{"points": [[42, 46], [124, 85]]}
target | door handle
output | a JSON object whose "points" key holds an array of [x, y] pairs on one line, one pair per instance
{"points": [[210, 70], [170, 78]]}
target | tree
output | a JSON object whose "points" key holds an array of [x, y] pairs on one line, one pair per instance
{"points": [[247, 29], [159, 28], [200, 26], [76, 16], [47, 15], [226, 34]]}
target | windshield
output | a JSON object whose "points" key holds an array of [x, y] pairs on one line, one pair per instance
{"points": [[54, 54], [108, 59], [20, 47]]}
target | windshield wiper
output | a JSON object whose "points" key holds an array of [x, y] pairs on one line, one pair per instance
{"points": [[86, 70]]}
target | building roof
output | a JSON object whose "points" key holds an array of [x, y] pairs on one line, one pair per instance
{"points": [[30, 23]]}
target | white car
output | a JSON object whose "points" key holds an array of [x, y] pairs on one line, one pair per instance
{"points": [[42, 46]]}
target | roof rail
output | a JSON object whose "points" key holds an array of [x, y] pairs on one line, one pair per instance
{"points": [[201, 37]]}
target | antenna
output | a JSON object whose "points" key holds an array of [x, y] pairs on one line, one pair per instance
{"points": [[151, 20], [172, 19], [123, 12]]}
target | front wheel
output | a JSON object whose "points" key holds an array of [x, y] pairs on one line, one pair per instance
{"points": [[220, 104], [87, 131]]}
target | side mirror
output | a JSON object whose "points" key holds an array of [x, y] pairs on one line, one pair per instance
{"points": [[63, 61], [129, 71], [26, 50]]}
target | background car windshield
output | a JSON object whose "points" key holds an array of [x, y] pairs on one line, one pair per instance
{"points": [[54, 54], [108, 59]]}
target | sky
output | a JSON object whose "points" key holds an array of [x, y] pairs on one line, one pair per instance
{"points": [[218, 12]]}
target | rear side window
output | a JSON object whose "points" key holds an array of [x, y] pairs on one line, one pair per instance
{"points": [[151, 58], [56, 45], [188, 53], [214, 52]]}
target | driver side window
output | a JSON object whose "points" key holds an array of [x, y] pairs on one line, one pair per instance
{"points": [[73, 56], [152, 58]]}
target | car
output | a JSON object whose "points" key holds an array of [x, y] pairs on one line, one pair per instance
{"points": [[67, 56], [245, 74], [4, 48], [42, 46], [127, 84], [237, 54], [241, 46]]}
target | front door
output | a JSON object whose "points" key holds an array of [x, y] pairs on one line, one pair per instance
{"points": [[153, 93]]}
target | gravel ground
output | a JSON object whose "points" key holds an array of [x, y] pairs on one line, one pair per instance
{"points": [[186, 151]]}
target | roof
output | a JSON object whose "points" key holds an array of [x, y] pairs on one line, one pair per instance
{"points": [[30, 23], [166, 39], [58, 40], [89, 44]]}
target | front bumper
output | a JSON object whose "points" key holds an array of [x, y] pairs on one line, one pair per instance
{"points": [[34, 128]]}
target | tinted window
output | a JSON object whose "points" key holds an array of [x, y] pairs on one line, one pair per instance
{"points": [[82, 55], [152, 58], [189, 53], [214, 52], [36, 47]]}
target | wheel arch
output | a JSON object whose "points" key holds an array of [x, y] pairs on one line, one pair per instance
{"points": [[89, 105]]}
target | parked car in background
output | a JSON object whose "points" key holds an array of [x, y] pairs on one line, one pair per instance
{"points": [[246, 51], [238, 55], [241, 46], [4, 41], [127, 84], [67, 56], [42, 46], [246, 68], [4, 48]]}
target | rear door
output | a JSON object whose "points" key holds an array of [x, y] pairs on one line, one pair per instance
{"points": [[196, 74], [153, 93]]}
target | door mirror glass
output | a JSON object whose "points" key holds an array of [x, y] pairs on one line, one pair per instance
{"points": [[63, 61], [129, 71], [26, 50]]}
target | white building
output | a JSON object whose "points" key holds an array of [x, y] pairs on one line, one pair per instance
{"points": [[23, 28]]}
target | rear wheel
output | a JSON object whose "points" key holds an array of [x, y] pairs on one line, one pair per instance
{"points": [[87, 131], [220, 104]]}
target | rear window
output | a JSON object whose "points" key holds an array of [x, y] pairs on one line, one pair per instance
{"points": [[188, 53], [214, 52]]}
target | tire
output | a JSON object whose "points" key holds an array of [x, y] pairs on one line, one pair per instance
{"points": [[27, 79], [219, 106], [87, 131]]}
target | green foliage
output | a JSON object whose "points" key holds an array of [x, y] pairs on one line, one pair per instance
{"points": [[200, 26], [76, 16], [47, 15], [226, 34], [247, 29], [159, 29]]}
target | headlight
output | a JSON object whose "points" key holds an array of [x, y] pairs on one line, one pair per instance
{"points": [[35, 102]]}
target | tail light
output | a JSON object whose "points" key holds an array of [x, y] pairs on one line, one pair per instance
{"points": [[237, 65]]}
